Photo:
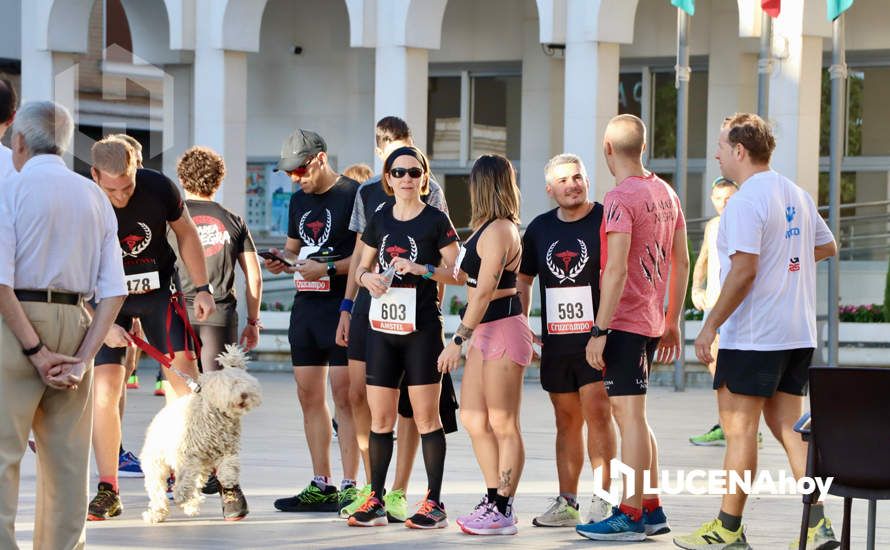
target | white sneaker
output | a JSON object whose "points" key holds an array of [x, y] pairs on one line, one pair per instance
{"points": [[598, 511], [560, 514]]}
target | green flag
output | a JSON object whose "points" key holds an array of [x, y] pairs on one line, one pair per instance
{"points": [[689, 5], [835, 8]]}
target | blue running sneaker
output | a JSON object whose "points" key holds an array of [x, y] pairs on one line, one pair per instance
{"points": [[655, 522], [128, 465], [618, 526]]}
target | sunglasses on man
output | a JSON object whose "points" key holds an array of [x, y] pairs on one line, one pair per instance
{"points": [[301, 170]]}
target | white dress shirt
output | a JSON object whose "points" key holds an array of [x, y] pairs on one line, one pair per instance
{"points": [[6, 167], [58, 231]]}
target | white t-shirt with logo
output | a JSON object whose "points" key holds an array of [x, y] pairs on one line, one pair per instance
{"points": [[772, 217], [6, 167]]}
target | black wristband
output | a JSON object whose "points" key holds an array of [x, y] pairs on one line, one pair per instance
{"points": [[33, 351]]}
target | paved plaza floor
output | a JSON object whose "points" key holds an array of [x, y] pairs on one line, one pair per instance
{"points": [[275, 463]]}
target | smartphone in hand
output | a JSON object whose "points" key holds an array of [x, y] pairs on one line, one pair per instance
{"points": [[267, 254]]}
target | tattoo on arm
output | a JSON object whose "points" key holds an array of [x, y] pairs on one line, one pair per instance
{"points": [[505, 482], [463, 331]]}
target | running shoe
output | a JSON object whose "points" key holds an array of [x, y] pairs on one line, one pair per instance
{"points": [[348, 495], [133, 382], [820, 537], [396, 506], [106, 504], [360, 497], [335, 427], [311, 499], [234, 505], [159, 388], [618, 526], [655, 522], [370, 514], [490, 522], [598, 511], [211, 487], [479, 509], [128, 465], [430, 515], [711, 438], [712, 535], [560, 514]]}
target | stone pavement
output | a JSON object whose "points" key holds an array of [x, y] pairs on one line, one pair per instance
{"points": [[275, 463]]}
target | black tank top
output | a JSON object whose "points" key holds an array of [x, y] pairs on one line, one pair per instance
{"points": [[472, 263]]}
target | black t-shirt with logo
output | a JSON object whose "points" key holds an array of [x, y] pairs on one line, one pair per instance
{"points": [[225, 237], [142, 226], [564, 255], [322, 220], [419, 240]]}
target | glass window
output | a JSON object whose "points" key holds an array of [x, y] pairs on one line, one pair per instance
{"points": [[443, 118], [268, 198], [497, 116], [663, 127], [867, 113], [630, 94], [457, 194]]}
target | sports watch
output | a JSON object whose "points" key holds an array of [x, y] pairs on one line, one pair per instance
{"points": [[332, 269], [458, 339], [430, 271], [596, 332], [205, 288]]}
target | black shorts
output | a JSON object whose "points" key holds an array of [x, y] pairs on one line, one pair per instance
{"points": [[567, 373], [628, 359], [763, 373], [312, 332], [358, 336], [447, 403], [151, 309], [411, 356]]}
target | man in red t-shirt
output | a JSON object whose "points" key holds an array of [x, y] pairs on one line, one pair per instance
{"points": [[645, 247]]}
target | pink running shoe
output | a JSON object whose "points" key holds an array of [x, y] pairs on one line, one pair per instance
{"points": [[490, 522], [479, 509]]}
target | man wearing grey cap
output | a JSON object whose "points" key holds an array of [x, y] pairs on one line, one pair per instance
{"points": [[318, 247]]}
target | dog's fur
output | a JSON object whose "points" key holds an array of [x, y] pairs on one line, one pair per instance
{"points": [[197, 434]]}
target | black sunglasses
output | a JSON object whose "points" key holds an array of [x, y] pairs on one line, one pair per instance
{"points": [[399, 173]]}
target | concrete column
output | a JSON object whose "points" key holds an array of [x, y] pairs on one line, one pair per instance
{"points": [[220, 115], [732, 85], [795, 94], [542, 114], [400, 87], [178, 106], [591, 100]]}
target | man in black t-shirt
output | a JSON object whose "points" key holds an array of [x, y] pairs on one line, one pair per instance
{"points": [[562, 248], [146, 204], [319, 244]]}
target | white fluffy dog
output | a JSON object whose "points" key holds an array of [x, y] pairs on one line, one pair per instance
{"points": [[197, 434]]}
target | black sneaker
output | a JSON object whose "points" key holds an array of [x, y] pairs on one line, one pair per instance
{"points": [[212, 485], [431, 515], [311, 499], [106, 504], [234, 504], [371, 514]]}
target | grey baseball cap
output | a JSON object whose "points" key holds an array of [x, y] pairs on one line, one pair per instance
{"points": [[298, 147]]}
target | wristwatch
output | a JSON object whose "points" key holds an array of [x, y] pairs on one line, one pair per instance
{"points": [[596, 332], [204, 288], [430, 271], [332, 269], [458, 339]]}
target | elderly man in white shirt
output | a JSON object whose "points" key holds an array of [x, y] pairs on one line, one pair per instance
{"points": [[58, 234], [8, 104]]}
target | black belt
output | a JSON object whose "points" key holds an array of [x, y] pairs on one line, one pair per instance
{"points": [[48, 296]]}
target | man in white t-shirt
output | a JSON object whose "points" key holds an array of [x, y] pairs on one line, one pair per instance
{"points": [[769, 240], [8, 105]]}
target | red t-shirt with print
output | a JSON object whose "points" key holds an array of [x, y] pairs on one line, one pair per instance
{"points": [[649, 210]]}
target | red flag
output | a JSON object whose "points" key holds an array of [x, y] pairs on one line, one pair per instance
{"points": [[771, 7]]}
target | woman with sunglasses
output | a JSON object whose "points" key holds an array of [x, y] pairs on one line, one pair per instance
{"points": [[419, 242], [500, 343]]}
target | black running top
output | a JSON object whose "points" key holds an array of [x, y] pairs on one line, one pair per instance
{"points": [[472, 263]]}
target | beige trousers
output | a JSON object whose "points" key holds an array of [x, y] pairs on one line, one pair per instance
{"points": [[62, 425]]}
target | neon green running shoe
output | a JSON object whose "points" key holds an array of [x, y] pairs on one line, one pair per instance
{"points": [[396, 505], [133, 382], [712, 535], [820, 537], [311, 499], [712, 438], [358, 498]]}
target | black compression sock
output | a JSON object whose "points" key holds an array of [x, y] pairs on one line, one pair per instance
{"points": [[492, 493], [729, 521], [503, 504], [380, 451], [434, 459]]}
